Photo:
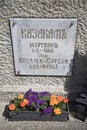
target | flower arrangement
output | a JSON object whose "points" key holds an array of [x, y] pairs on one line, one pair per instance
{"points": [[37, 101]]}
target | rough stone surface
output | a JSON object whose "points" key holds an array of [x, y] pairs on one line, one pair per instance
{"points": [[43, 9], [10, 84]]}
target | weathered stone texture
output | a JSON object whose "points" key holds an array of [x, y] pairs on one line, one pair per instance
{"points": [[43, 9]]}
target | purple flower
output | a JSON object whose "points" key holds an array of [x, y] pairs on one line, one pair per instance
{"points": [[36, 107], [47, 110], [44, 93], [37, 100], [34, 93], [28, 92], [42, 102], [30, 100], [33, 97]]}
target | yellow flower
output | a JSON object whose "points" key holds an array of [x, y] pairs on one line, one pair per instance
{"points": [[22, 104], [57, 111], [54, 102], [65, 100], [53, 96], [26, 101], [11, 107], [20, 96], [60, 98]]}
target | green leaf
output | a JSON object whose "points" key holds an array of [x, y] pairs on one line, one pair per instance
{"points": [[12, 113], [18, 110], [42, 107], [45, 98]]}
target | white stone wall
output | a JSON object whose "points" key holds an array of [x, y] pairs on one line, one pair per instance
{"points": [[9, 83]]}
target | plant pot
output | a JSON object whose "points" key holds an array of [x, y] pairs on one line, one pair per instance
{"points": [[37, 116]]}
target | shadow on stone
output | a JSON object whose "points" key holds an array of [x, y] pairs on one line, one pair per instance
{"points": [[77, 82], [5, 113]]}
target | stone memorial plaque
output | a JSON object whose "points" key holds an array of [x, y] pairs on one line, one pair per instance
{"points": [[43, 46]]}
